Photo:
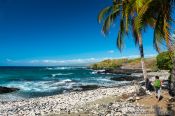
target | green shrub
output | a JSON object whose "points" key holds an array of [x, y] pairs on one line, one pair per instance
{"points": [[164, 61], [108, 64], [127, 63]]}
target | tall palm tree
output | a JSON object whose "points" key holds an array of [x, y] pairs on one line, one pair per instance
{"points": [[139, 14], [160, 11], [126, 11]]}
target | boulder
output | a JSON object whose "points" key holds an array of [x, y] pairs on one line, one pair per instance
{"points": [[7, 89], [131, 99], [88, 87], [138, 98], [126, 78], [84, 87], [140, 91], [172, 99], [123, 71]]}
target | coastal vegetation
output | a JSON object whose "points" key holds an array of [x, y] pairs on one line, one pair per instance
{"points": [[134, 63], [109, 64], [162, 61]]}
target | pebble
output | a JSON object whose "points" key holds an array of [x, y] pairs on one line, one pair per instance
{"points": [[67, 102]]}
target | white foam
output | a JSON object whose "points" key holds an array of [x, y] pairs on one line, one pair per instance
{"points": [[104, 79], [34, 86], [100, 70], [59, 68], [94, 72], [61, 83], [59, 74], [67, 80], [63, 68]]}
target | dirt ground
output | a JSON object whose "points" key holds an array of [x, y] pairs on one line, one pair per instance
{"points": [[162, 107]]}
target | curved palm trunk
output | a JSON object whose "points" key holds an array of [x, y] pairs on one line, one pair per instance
{"points": [[172, 75], [172, 86], [142, 58]]}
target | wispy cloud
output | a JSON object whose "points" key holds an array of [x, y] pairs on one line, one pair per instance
{"points": [[150, 55], [138, 56], [52, 62], [111, 51], [8, 60], [62, 62], [55, 62]]}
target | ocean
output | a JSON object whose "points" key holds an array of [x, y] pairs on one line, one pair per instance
{"points": [[47, 81]]}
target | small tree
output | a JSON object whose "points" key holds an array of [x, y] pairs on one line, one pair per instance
{"points": [[164, 60]]}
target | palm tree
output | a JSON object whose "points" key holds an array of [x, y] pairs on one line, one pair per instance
{"points": [[160, 12], [139, 14], [127, 15]]}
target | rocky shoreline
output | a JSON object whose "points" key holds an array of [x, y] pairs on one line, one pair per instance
{"points": [[57, 104], [82, 102], [134, 74]]}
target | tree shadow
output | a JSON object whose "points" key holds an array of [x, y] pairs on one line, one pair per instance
{"points": [[161, 97], [169, 112]]}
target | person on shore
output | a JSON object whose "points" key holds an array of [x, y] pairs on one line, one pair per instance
{"points": [[169, 82], [157, 86], [149, 86]]}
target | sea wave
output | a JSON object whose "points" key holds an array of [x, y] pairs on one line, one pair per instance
{"points": [[64, 68], [94, 72], [104, 79], [62, 82], [39, 86], [59, 74]]}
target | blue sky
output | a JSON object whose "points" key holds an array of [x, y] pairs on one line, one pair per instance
{"points": [[59, 32]]}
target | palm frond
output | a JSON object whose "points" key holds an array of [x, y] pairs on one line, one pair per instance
{"points": [[120, 37], [103, 13], [109, 21]]}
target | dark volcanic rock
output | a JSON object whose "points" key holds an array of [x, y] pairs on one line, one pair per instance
{"points": [[89, 87], [123, 71], [126, 78], [85, 87], [7, 90], [140, 91]]}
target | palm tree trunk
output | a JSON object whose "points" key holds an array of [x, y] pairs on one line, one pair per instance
{"points": [[142, 57], [172, 86], [143, 62], [172, 75]]}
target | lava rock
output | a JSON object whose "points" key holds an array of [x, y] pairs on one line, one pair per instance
{"points": [[126, 78], [7, 89], [140, 91], [123, 71], [88, 87]]}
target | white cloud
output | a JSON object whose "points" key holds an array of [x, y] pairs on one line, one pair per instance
{"points": [[60, 62], [8, 60], [133, 56], [111, 51], [150, 55], [138, 56], [11, 60], [55, 62]]}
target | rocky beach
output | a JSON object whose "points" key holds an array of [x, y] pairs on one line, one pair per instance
{"points": [[117, 101], [57, 104]]}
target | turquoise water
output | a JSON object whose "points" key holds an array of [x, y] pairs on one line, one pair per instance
{"points": [[45, 81]]}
